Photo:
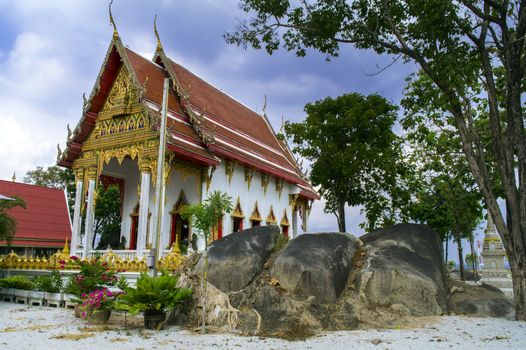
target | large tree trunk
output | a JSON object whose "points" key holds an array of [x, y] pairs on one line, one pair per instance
{"points": [[460, 256], [519, 286], [447, 248], [340, 216], [473, 258]]}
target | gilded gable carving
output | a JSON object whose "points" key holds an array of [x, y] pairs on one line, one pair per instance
{"points": [[123, 94]]}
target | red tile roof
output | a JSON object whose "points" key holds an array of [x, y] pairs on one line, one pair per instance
{"points": [[45, 222], [240, 133]]}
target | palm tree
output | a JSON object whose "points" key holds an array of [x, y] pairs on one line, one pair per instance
{"points": [[204, 217]]}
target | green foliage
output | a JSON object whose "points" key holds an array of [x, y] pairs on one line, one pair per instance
{"points": [[122, 283], [51, 283], [450, 265], [204, 216], [355, 156], [280, 243], [18, 282], [153, 293], [471, 259], [471, 52], [7, 222], [108, 216]]}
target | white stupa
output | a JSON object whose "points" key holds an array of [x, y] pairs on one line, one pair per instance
{"points": [[493, 255]]}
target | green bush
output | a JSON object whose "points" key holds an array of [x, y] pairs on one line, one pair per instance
{"points": [[153, 293], [280, 243], [18, 282], [50, 283]]}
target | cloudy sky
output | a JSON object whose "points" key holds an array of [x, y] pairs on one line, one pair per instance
{"points": [[51, 53]]}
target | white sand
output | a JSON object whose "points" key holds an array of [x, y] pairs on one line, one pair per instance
{"points": [[49, 328]]}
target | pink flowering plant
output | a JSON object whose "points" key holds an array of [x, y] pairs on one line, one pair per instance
{"points": [[93, 275], [101, 299]]}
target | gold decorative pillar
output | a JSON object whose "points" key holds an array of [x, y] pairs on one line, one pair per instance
{"points": [[75, 230], [90, 211]]}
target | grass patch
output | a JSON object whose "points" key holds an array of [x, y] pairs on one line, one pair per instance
{"points": [[72, 336]]}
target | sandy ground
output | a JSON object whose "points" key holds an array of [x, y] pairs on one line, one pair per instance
{"points": [[49, 328]]}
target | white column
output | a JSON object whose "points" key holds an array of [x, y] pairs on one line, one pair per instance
{"points": [[305, 217], [143, 213], [90, 218], [75, 232], [294, 223]]}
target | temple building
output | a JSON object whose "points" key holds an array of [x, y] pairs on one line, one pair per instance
{"points": [[213, 143], [43, 226]]}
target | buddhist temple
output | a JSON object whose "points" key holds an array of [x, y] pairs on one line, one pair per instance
{"points": [[213, 143]]}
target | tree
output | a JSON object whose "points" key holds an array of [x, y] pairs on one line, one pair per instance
{"points": [[204, 218], [458, 45], [108, 216], [7, 222], [354, 154], [54, 177], [448, 198]]}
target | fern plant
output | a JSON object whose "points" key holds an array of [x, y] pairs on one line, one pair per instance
{"points": [[153, 293]]}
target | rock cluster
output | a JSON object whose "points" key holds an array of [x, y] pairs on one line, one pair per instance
{"points": [[333, 281]]}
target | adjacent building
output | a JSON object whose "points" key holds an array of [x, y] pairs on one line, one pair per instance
{"points": [[43, 226]]}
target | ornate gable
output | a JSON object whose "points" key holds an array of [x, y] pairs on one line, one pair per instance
{"points": [[271, 218], [255, 216], [123, 95], [238, 212]]}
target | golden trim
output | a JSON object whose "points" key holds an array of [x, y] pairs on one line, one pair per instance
{"points": [[264, 182], [279, 187], [209, 176], [255, 216], [248, 176], [271, 218], [285, 220], [238, 211], [230, 167]]}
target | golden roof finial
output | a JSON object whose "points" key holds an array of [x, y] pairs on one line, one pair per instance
{"points": [[66, 246], [112, 22], [159, 45], [14, 176]]}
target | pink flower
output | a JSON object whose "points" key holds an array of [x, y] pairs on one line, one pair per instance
{"points": [[74, 257]]}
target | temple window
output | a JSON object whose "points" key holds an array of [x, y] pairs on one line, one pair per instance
{"points": [[255, 218], [284, 224], [180, 227], [237, 217]]}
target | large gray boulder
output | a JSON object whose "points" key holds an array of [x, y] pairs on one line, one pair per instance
{"points": [[481, 301], [404, 270], [235, 260], [316, 265]]}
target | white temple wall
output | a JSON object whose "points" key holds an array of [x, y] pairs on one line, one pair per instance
{"points": [[238, 187], [190, 182]]}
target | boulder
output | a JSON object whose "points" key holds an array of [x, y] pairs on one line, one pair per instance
{"points": [[235, 260], [481, 301], [404, 268], [316, 265]]}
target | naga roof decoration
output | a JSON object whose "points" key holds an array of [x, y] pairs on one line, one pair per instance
{"points": [[204, 123]]}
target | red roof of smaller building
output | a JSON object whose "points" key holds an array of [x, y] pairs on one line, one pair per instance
{"points": [[45, 222]]}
